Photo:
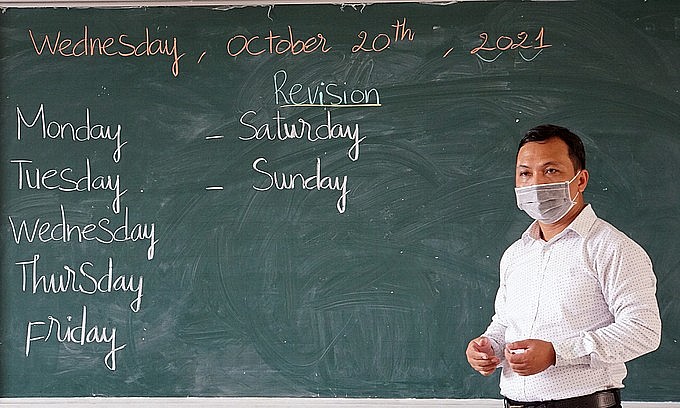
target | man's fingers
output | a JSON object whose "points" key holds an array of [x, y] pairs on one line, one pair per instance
{"points": [[488, 370], [486, 365], [481, 356], [481, 341]]}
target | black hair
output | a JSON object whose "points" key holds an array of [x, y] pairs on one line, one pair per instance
{"points": [[577, 153]]}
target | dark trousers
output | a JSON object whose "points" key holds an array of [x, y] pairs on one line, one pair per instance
{"points": [[602, 399]]}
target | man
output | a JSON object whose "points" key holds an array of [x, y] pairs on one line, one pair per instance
{"points": [[577, 297]]}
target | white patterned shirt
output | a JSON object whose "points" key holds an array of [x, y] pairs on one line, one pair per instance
{"points": [[591, 292]]}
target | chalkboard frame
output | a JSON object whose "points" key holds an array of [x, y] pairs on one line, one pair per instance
{"points": [[52, 3]]}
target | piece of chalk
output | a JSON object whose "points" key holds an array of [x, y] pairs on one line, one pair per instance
{"points": [[518, 351]]}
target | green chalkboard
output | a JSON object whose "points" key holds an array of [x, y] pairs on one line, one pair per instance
{"points": [[308, 200]]}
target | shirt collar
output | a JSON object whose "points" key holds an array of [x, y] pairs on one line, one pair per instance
{"points": [[581, 225]]}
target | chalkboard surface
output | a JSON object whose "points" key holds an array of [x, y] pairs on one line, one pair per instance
{"points": [[308, 200]]}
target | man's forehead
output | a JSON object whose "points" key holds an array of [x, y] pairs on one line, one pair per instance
{"points": [[551, 151]]}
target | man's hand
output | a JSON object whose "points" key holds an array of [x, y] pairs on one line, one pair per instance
{"points": [[481, 356], [529, 357]]}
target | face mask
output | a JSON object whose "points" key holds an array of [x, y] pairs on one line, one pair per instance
{"points": [[547, 203]]}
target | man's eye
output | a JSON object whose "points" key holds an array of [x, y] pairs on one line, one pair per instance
{"points": [[551, 171]]}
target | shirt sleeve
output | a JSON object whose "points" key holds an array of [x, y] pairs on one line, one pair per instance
{"points": [[629, 288], [496, 330]]}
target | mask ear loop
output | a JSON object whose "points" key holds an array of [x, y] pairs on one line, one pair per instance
{"points": [[573, 200]]}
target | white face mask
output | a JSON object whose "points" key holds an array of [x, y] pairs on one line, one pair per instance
{"points": [[546, 203]]}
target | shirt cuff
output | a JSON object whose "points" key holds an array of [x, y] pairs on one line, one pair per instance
{"points": [[497, 347], [571, 352]]}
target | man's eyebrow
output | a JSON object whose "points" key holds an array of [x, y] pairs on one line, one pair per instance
{"points": [[550, 163]]}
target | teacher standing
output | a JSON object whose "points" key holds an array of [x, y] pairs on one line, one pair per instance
{"points": [[577, 297]]}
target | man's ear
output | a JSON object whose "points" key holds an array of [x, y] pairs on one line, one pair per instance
{"points": [[582, 180]]}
